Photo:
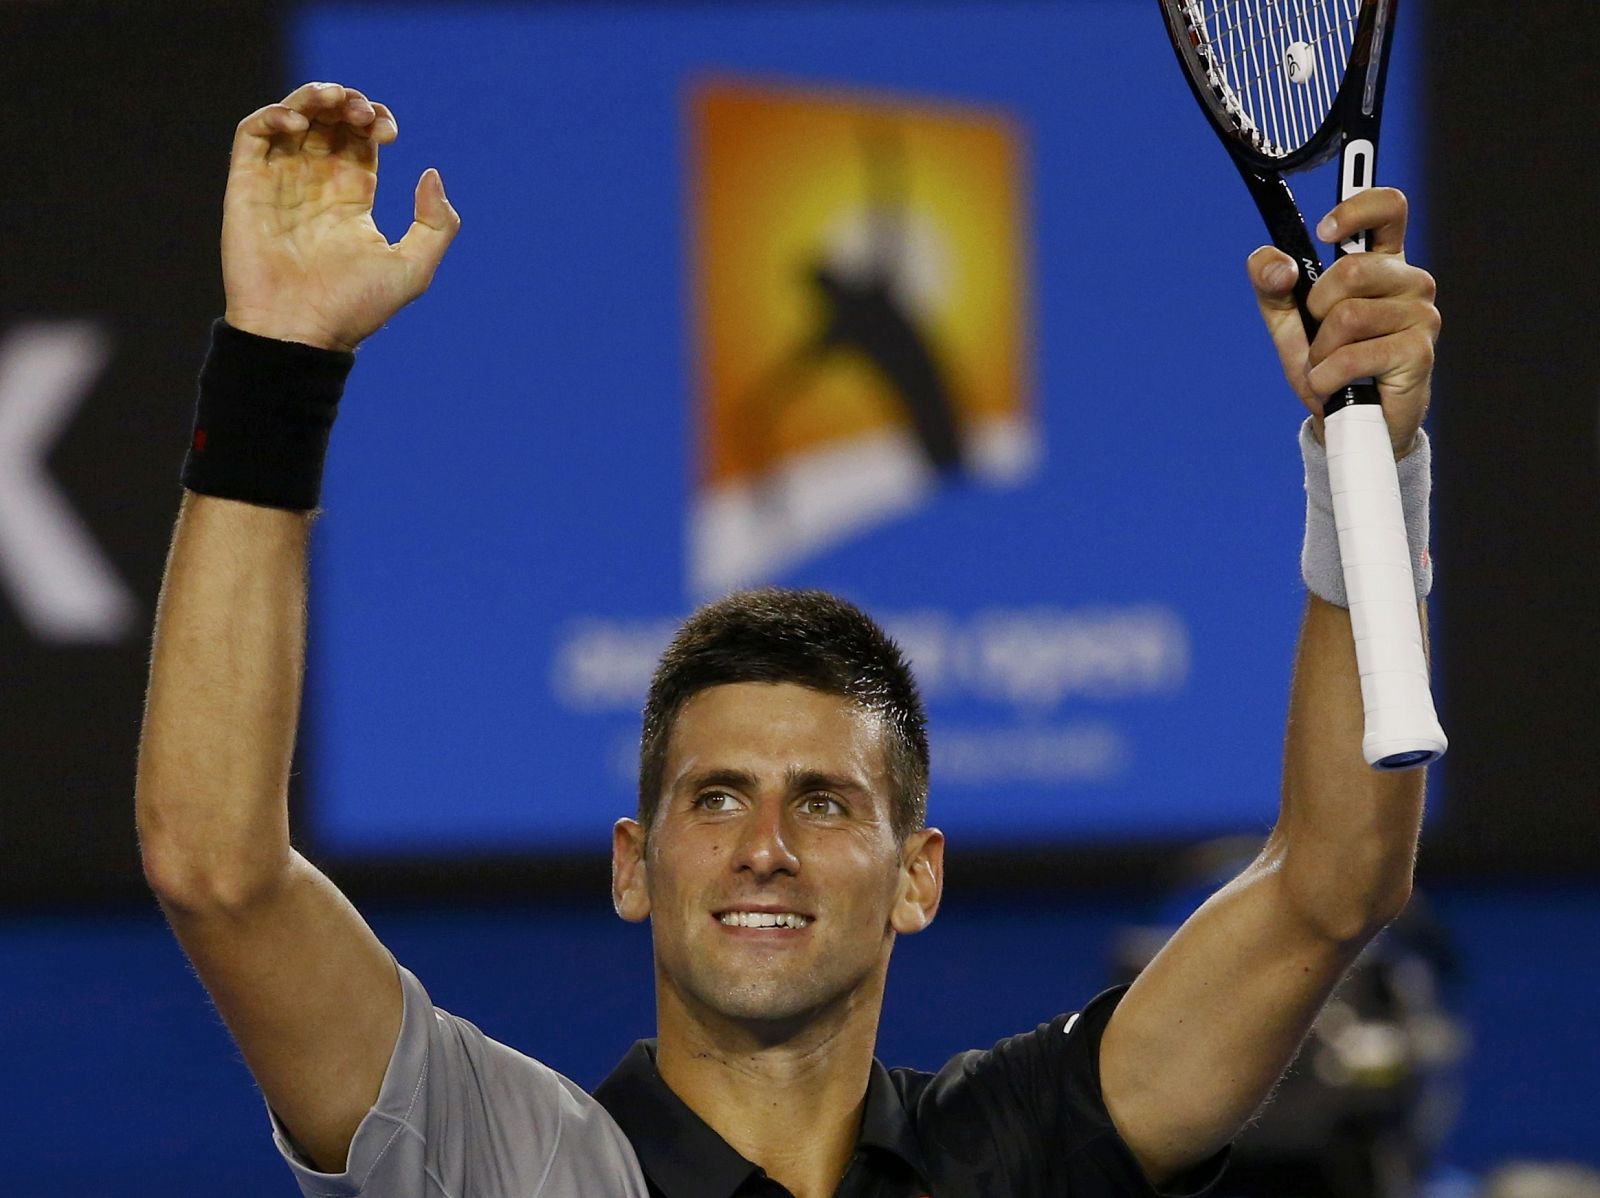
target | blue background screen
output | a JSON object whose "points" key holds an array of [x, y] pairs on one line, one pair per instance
{"points": [[1104, 635]]}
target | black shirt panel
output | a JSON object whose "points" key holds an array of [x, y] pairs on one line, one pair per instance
{"points": [[680, 1154], [1027, 1118], [1024, 1119], [885, 1124]]}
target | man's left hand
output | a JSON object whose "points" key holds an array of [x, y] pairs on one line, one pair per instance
{"points": [[1376, 312]]}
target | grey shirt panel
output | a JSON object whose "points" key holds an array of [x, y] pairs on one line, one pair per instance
{"points": [[460, 1115]]}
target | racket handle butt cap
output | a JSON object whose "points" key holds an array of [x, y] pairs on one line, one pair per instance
{"points": [[1393, 755]]}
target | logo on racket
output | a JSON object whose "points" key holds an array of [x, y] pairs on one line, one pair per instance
{"points": [[860, 320]]}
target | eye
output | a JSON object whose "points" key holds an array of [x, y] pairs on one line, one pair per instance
{"points": [[714, 800], [821, 804]]}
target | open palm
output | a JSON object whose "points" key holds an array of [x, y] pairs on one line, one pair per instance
{"points": [[302, 259]]}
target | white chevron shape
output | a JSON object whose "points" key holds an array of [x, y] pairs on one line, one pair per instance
{"points": [[63, 586]]}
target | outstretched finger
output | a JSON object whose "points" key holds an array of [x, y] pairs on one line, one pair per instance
{"points": [[431, 233]]}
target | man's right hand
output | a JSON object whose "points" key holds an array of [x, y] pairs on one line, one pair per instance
{"points": [[302, 259]]}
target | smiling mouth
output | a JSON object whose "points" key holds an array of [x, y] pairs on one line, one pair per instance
{"points": [[788, 920]]}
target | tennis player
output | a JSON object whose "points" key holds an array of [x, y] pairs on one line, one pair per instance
{"points": [[780, 844]]}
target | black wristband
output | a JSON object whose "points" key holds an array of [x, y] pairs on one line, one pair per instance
{"points": [[262, 420]]}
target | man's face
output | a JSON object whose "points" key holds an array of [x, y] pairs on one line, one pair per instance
{"points": [[772, 876]]}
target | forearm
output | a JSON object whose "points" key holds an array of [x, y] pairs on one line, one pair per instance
{"points": [[1209, 1025], [224, 697], [1346, 838], [1212, 1022]]}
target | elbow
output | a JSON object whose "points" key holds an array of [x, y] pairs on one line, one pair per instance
{"points": [[1354, 919], [186, 879], [171, 870], [1393, 900], [183, 889], [1346, 900], [177, 884]]}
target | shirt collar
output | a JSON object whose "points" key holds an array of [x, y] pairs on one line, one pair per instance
{"points": [[685, 1158], [678, 1150], [886, 1124]]}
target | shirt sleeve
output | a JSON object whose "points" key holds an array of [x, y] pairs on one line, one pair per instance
{"points": [[1028, 1116], [460, 1114]]}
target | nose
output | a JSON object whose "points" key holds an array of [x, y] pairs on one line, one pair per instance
{"points": [[764, 844]]}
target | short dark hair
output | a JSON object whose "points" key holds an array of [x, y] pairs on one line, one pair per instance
{"points": [[811, 639]]}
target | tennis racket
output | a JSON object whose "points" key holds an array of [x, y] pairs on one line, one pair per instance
{"points": [[1287, 84]]}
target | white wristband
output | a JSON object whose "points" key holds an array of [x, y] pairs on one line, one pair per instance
{"points": [[1319, 555]]}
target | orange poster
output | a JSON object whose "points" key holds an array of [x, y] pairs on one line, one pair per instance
{"points": [[862, 312]]}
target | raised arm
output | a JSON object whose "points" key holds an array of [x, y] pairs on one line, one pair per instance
{"points": [[1212, 1022], [309, 994]]}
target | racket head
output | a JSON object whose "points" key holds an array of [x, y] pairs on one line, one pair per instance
{"points": [[1283, 85]]}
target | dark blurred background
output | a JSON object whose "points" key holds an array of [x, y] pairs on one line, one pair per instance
{"points": [[115, 122]]}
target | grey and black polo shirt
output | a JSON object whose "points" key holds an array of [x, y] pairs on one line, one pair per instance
{"points": [[460, 1115], [1023, 1119]]}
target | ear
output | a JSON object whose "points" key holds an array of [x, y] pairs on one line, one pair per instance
{"points": [[921, 882], [630, 891]]}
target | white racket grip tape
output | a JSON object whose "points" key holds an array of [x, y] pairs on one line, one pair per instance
{"points": [[1402, 728]]}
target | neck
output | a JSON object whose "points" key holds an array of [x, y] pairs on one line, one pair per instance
{"points": [[789, 1100]]}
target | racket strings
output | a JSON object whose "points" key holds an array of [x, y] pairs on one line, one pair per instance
{"points": [[1277, 58], [1268, 77], [1275, 66], [1266, 55]]}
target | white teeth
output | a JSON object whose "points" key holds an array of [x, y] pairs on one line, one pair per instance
{"points": [[763, 919]]}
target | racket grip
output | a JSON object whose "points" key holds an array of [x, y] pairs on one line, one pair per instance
{"points": [[1402, 728]]}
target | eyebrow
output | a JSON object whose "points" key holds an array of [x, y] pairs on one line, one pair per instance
{"points": [[796, 777], [739, 779], [803, 779]]}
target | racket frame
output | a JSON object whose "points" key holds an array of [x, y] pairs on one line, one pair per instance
{"points": [[1402, 729], [1349, 129]]}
